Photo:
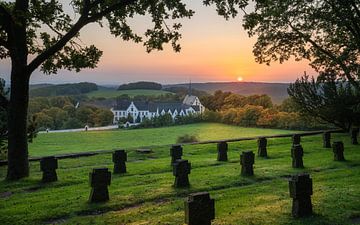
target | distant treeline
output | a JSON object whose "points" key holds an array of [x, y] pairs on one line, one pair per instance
{"points": [[63, 89], [63, 112], [140, 85], [182, 91]]}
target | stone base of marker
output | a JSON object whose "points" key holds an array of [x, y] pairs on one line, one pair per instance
{"points": [[338, 149], [327, 140], [222, 148], [199, 209], [99, 180], [181, 171], [300, 188], [48, 166], [296, 139], [176, 151], [247, 160], [262, 143], [354, 134], [119, 158], [297, 153]]}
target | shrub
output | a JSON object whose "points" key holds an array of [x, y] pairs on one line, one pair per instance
{"points": [[187, 138]]}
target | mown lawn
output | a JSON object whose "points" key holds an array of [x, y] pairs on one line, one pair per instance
{"points": [[59, 143], [145, 194], [113, 93]]}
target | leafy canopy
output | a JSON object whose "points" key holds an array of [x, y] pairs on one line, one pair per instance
{"points": [[52, 34], [325, 32]]}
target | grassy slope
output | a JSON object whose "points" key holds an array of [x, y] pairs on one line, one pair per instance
{"points": [[59, 143], [112, 93], [145, 196]]}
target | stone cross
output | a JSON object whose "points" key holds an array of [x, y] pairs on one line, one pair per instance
{"points": [[99, 180], [222, 148], [354, 134], [326, 139], [301, 189], [297, 153], [338, 149], [199, 209], [48, 166], [247, 159], [119, 157], [181, 171], [262, 143], [176, 152], [296, 139]]}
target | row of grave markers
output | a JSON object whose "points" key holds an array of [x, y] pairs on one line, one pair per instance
{"points": [[199, 208]]}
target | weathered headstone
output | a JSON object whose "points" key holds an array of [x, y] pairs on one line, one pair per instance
{"points": [[262, 143], [354, 134], [301, 189], [247, 160], [338, 149], [48, 166], [119, 157], [199, 209], [181, 171], [327, 139], [176, 152], [222, 148], [296, 139], [297, 153], [99, 180]]}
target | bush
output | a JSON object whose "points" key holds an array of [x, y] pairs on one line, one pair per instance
{"points": [[187, 138]]}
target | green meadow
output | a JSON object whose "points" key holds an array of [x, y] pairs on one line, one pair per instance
{"points": [[60, 143], [113, 93], [144, 195]]}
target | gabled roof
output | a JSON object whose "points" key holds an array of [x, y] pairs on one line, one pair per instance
{"points": [[189, 99]]}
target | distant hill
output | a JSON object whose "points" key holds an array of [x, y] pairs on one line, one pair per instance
{"points": [[277, 91], [43, 85], [47, 90], [143, 85]]}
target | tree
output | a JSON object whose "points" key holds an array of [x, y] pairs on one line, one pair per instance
{"points": [[3, 118], [332, 101], [327, 33], [43, 30]]}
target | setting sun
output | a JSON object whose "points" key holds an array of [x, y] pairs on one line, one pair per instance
{"points": [[240, 79]]}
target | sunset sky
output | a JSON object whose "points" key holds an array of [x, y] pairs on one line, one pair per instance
{"points": [[213, 49]]}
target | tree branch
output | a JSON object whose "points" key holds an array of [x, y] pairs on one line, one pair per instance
{"points": [[83, 20], [6, 21], [329, 54], [57, 46]]}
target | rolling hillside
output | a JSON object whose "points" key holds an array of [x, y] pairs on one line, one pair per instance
{"points": [[277, 91]]}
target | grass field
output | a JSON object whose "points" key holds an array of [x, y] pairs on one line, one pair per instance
{"points": [[113, 93], [59, 143], [145, 194]]}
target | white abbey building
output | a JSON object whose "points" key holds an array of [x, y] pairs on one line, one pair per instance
{"points": [[139, 110]]}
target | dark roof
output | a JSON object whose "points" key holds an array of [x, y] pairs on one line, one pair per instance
{"points": [[153, 106]]}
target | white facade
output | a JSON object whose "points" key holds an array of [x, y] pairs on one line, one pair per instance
{"points": [[141, 110]]}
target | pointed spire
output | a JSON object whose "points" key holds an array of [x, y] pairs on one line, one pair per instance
{"points": [[190, 90]]}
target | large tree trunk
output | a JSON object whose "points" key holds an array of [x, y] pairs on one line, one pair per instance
{"points": [[18, 164]]}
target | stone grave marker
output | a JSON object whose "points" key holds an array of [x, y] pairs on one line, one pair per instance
{"points": [[338, 149], [199, 209], [262, 145], [99, 179], [354, 134], [176, 151], [247, 160], [301, 189], [119, 158], [297, 153], [327, 139], [48, 166], [222, 148], [181, 171]]}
